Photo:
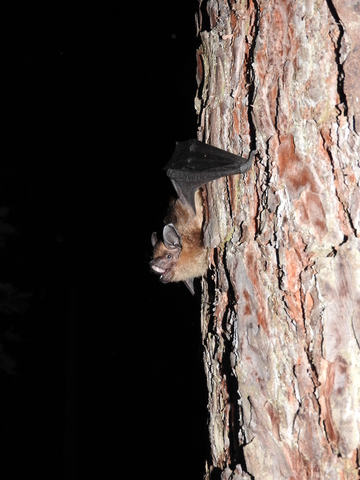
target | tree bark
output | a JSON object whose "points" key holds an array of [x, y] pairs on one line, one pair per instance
{"points": [[281, 306]]}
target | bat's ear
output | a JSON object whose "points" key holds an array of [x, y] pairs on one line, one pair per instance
{"points": [[172, 238], [154, 239]]}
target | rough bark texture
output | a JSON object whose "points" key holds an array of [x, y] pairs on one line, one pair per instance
{"points": [[281, 308]]}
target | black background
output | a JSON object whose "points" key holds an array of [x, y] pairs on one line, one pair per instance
{"points": [[109, 380]]}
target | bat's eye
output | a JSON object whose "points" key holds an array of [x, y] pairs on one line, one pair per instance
{"points": [[169, 256]]}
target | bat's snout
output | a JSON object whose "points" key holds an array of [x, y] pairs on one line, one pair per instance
{"points": [[164, 273], [156, 268]]}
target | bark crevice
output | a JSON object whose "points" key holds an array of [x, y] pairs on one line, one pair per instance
{"points": [[337, 39]]}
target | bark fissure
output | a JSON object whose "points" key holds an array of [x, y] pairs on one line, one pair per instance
{"points": [[337, 41], [249, 71], [339, 177], [354, 332], [230, 354]]}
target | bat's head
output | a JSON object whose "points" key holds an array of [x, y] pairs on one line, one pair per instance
{"points": [[166, 253]]}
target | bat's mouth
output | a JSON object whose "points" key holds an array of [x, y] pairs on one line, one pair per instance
{"points": [[164, 274], [164, 278]]}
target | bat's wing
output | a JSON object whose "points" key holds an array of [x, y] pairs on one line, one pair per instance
{"points": [[190, 285], [195, 163]]}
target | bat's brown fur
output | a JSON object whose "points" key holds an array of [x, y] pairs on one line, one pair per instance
{"points": [[191, 260]]}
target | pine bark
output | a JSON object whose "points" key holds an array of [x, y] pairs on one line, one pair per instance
{"points": [[281, 305]]}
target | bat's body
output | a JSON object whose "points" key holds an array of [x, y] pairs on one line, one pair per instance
{"points": [[182, 256]]}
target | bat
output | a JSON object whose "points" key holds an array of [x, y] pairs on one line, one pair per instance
{"points": [[181, 254]]}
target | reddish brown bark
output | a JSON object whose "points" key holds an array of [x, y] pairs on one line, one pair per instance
{"points": [[281, 310]]}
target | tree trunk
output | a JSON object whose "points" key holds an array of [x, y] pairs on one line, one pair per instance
{"points": [[281, 307]]}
